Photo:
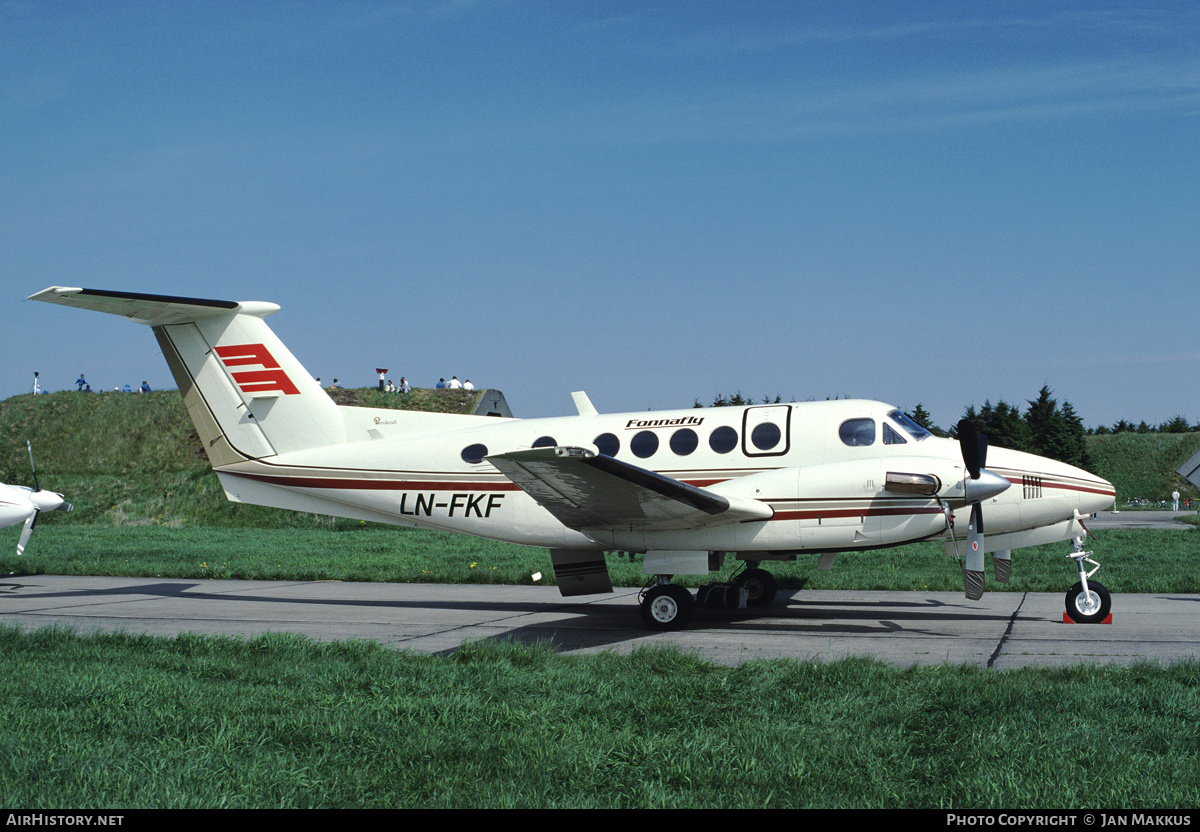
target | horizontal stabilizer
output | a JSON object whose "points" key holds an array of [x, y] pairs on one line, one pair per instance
{"points": [[152, 310], [585, 490]]}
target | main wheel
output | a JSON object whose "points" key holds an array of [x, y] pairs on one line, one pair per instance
{"points": [[760, 587], [1089, 607], [667, 607]]}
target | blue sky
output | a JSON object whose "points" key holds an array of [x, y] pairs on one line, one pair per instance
{"points": [[937, 203]]}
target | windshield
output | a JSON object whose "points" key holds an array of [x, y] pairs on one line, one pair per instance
{"points": [[912, 428]]}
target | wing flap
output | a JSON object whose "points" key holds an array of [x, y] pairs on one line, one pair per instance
{"points": [[585, 490]]}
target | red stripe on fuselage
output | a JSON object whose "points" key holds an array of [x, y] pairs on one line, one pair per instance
{"points": [[372, 485], [1047, 482]]}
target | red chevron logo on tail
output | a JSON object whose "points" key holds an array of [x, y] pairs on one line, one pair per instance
{"points": [[269, 379]]}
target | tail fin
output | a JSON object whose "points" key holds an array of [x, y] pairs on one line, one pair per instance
{"points": [[247, 395]]}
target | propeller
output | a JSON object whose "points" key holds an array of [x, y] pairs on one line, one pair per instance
{"points": [[980, 485], [39, 501]]}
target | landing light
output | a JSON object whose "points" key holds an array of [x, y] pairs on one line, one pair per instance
{"points": [[576, 453]]}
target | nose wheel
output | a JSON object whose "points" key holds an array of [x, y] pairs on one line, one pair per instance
{"points": [[1090, 605]]}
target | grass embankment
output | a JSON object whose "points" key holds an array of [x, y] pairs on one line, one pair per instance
{"points": [[123, 722], [134, 459], [1143, 466]]}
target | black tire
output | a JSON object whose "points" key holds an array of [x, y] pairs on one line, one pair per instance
{"points": [[1083, 610], [760, 587], [667, 607]]}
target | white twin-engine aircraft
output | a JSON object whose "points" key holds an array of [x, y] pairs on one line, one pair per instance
{"points": [[19, 504], [683, 488]]}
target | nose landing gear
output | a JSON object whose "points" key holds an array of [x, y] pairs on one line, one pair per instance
{"points": [[1088, 602]]}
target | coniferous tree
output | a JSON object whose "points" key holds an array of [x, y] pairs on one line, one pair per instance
{"points": [[1002, 424], [1048, 431], [1176, 425], [1076, 443], [921, 416]]}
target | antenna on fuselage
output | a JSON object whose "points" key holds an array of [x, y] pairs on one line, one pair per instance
{"points": [[583, 404]]}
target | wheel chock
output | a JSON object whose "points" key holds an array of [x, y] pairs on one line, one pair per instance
{"points": [[1067, 619]]}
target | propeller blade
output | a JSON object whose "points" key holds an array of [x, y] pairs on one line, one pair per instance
{"points": [[30, 522], [29, 445], [968, 443], [1002, 563], [973, 568]]}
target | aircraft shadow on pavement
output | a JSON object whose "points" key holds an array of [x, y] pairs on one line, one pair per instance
{"points": [[574, 625], [597, 627]]}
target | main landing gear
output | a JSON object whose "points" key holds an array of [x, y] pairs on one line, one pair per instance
{"points": [[1088, 602], [668, 606]]}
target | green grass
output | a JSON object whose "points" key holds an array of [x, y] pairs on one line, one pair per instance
{"points": [[1132, 561], [124, 722]]}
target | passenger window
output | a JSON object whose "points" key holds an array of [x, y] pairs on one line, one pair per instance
{"points": [[474, 454], [607, 444], [684, 441], [890, 437], [855, 432], [644, 444], [766, 436], [723, 440], [544, 442]]}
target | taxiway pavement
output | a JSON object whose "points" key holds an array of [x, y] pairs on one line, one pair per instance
{"points": [[1003, 630], [1138, 519]]}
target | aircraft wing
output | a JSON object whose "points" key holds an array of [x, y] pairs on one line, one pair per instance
{"points": [[585, 490]]}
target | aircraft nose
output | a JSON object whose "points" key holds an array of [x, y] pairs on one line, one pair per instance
{"points": [[1097, 495]]}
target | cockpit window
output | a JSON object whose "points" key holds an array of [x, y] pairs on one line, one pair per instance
{"points": [[911, 428], [857, 432], [890, 437]]}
